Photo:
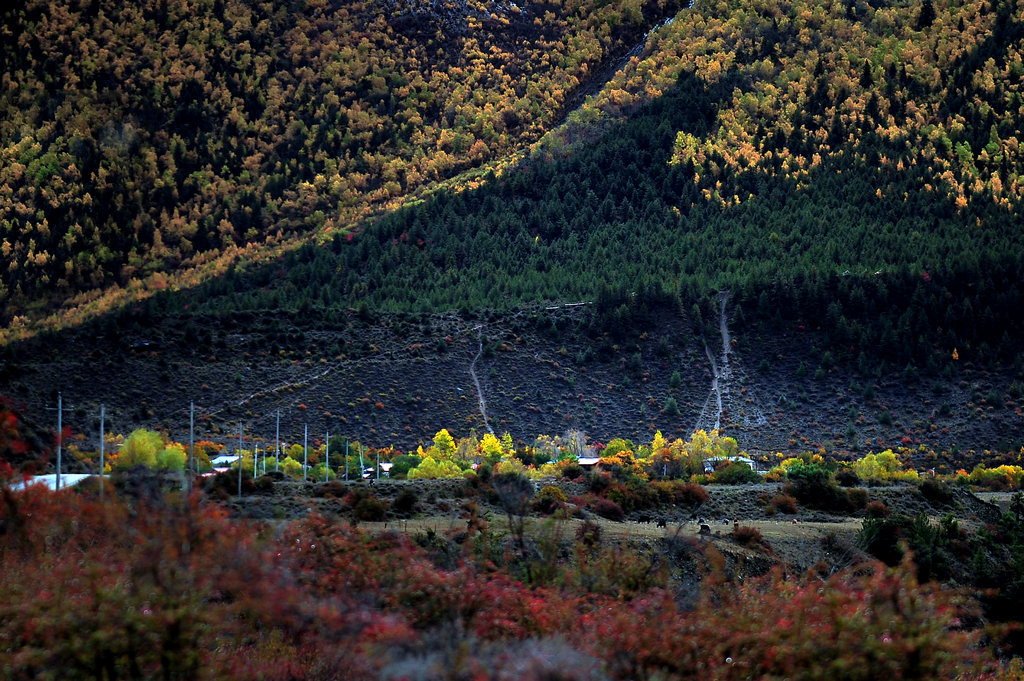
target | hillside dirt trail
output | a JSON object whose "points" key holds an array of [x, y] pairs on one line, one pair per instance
{"points": [[476, 381], [721, 372]]}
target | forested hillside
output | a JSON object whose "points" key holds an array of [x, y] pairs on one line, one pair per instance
{"points": [[141, 138], [849, 166]]}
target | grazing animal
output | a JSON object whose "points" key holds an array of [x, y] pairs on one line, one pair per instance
{"points": [[705, 528], [662, 523]]}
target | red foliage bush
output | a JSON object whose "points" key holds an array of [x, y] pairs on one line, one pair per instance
{"points": [[606, 508], [876, 509], [783, 503], [174, 590], [95, 590], [679, 492], [23, 446], [747, 536], [872, 626]]}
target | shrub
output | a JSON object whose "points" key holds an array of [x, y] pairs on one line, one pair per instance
{"points": [[405, 503], [936, 491], [847, 477], [858, 497], [533, 659], [885, 539], [736, 473], [225, 485], [168, 576], [876, 509], [484, 472], [402, 464], [912, 633], [813, 487], [157, 577], [632, 496], [549, 500], [573, 471], [744, 535], [589, 534], [599, 482], [618, 571], [1000, 479], [606, 508], [691, 494], [783, 503], [331, 490], [140, 447], [369, 509], [513, 492], [679, 492]]}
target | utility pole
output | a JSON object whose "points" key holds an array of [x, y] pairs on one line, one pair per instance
{"points": [[255, 461], [378, 464], [239, 459], [60, 434], [191, 442], [102, 424], [305, 452]]}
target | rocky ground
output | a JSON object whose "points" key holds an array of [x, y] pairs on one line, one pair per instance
{"points": [[396, 380]]}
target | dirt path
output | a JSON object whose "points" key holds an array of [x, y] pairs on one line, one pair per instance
{"points": [[720, 372], [476, 382], [716, 388]]}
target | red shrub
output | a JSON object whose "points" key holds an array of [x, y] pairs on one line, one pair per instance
{"points": [[690, 494], [679, 492], [175, 590], [606, 508], [747, 536], [783, 503], [875, 626], [876, 509]]}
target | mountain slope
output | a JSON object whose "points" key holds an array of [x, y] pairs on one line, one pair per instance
{"points": [[144, 138], [849, 172]]}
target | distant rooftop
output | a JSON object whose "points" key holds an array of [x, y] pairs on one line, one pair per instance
{"points": [[66, 480]]}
